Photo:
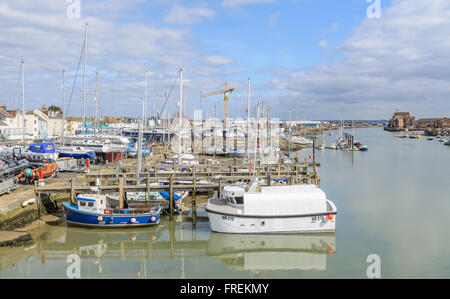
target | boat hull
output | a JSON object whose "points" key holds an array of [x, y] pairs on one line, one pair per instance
{"points": [[85, 155], [239, 224], [75, 217]]}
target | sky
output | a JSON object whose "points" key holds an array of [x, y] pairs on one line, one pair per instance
{"points": [[313, 59]]}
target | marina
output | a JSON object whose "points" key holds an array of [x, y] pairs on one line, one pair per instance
{"points": [[208, 143], [179, 244]]}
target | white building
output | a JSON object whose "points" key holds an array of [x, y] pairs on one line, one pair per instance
{"points": [[10, 124], [303, 123]]}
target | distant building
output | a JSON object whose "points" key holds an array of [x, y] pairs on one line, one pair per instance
{"points": [[401, 121], [433, 122], [303, 124], [10, 124]]}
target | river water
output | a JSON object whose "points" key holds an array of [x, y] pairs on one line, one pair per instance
{"points": [[393, 214]]}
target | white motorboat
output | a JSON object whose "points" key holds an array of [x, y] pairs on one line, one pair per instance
{"points": [[301, 140], [271, 209]]}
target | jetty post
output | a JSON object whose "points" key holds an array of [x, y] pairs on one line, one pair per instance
{"points": [[72, 190], [121, 193], [147, 193], [171, 196], [194, 203]]}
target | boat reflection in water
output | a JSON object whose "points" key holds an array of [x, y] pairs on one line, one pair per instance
{"points": [[272, 252], [169, 250]]}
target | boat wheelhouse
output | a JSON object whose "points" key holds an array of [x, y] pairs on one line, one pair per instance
{"points": [[42, 151]]}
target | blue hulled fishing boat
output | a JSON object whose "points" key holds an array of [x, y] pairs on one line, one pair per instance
{"points": [[91, 210]]}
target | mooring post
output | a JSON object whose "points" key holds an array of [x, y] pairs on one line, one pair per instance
{"points": [[171, 196], [219, 193], [147, 194], [72, 190], [194, 203], [121, 195], [38, 195]]}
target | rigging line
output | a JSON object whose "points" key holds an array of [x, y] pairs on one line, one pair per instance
{"points": [[75, 80], [159, 116], [17, 89]]}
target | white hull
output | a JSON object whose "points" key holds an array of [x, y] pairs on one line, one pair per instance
{"points": [[236, 224]]}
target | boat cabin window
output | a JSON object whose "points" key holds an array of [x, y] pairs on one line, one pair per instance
{"points": [[82, 203], [90, 204], [239, 200]]}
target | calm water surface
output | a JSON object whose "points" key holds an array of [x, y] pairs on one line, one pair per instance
{"points": [[393, 201]]}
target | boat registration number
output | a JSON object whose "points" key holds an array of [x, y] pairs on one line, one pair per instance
{"points": [[228, 218], [314, 219]]}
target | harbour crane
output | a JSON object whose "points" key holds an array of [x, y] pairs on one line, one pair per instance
{"points": [[225, 93]]}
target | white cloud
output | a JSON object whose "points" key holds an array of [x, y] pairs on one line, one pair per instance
{"points": [[400, 61], [323, 43], [219, 60], [273, 19], [239, 3], [188, 15], [121, 52]]}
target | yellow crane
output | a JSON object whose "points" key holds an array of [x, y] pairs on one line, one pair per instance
{"points": [[225, 92]]}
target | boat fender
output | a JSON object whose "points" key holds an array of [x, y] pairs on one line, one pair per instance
{"points": [[133, 220], [153, 219], [111, 220], [100, 218], [28, 173], [330, 217]]}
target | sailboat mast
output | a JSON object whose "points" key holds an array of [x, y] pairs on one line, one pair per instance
{"points": [[248, 119], [180, 106], [84, 73], [139, 166], [64, 105], [23, 102], [95, 101], [145, 99]]}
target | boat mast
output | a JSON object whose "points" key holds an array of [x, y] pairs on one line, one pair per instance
{"points": [[64, 105], [180, 106], [23, 103], [248, 120], [139, 163], [95, 101], [84, 74], [145, 99]]}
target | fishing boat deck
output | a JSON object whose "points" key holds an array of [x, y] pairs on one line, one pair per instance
{"points": [[219, 204]]}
